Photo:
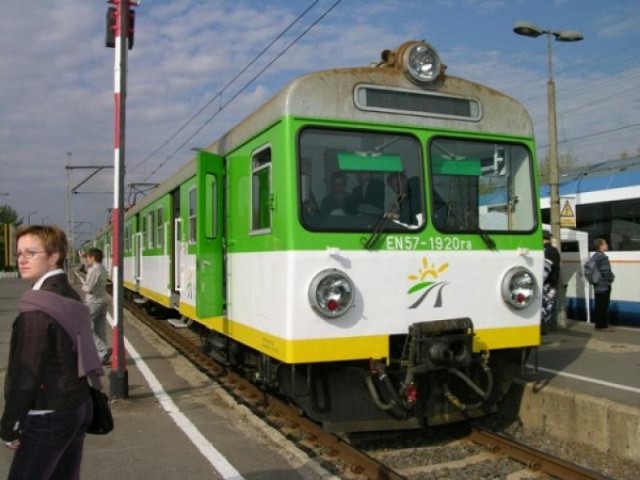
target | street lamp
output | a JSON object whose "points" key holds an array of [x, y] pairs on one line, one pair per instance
{"points": [[4, 194], [29, 217], [529, 30]]}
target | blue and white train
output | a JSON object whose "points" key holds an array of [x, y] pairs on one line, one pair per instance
{"points": [[607, 204]]}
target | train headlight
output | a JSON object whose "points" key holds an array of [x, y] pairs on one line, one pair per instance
{"points": [[422, 62], [331, 293], [518, 287]]}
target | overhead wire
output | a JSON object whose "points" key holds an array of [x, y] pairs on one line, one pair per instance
{"points": [[255, 77], [592, 134], [591, 86], [599, 100], [586, 83], [586, 86], [223, 89]]}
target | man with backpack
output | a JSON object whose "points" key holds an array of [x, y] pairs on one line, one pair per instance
{"points": [[601, 277]]}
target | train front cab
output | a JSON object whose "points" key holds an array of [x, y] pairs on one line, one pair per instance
{"points": [[330, 309]]}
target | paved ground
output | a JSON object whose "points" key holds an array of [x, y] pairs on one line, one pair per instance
{"points": [[602, 364]]}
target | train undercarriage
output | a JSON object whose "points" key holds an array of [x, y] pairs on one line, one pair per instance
{"points": [[432, 378]]}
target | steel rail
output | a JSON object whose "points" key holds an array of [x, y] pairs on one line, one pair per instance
{"points": [[535, 459]]}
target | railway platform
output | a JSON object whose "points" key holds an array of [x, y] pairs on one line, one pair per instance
{"points": [[584, 385], [176, 423]]}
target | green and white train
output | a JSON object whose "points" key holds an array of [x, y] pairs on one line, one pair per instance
{"points": [[404, 299]]}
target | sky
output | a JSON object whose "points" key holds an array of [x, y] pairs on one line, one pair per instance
{"points": [[57, 80]]}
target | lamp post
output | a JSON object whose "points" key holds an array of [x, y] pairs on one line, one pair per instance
{"points": [[529, 30], [29, 217]]}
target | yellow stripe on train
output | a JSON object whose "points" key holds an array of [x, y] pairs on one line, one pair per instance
{"points": [[156, 297], [349, 348]]}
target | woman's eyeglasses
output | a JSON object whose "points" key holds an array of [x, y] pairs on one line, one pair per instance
{"points": [[28, 254]]}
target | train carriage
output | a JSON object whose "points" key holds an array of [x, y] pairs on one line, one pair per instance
{"points": [[406, 308], [607, 205]]}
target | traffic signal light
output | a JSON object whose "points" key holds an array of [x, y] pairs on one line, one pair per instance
{"points": [[110, 37]]}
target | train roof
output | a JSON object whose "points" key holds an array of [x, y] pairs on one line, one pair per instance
{"points": [[607, 175]]}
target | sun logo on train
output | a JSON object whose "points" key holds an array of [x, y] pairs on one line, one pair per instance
{"points": [[422, 284]]}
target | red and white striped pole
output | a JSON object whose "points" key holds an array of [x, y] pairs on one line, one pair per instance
{"points": [[119, 379]]}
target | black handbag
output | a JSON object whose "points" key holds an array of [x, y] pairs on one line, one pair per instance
{"points": [[102, 421]]}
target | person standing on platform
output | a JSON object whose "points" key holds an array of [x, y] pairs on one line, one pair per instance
{"points": [[551, 279], [96, 298], [602, 288], [47, 402]]}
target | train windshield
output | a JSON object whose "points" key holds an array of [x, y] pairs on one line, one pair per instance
{"points": [[360, 181], [481, 186]]}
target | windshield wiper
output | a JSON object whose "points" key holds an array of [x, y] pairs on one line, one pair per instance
{"points": [[376, 233], [488, 241], [486, 238]]}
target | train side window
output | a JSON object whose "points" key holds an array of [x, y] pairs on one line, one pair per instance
{"points": [[150, 229], [127, 237], [261, 190], [160, 228], [618, 222], [211, 222], [192, 215], [143, 228]]}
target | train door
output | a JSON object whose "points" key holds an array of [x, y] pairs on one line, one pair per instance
{"points": [[209, 235]]}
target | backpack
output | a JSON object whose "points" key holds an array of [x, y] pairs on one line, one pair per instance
{"points": [[591, 272]]}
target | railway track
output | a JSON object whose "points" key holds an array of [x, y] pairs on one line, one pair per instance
{"points": [[471, 456]]}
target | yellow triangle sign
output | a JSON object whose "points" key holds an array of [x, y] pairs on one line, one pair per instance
{"points": [[567, 211]]}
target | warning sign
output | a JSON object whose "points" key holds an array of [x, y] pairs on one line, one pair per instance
{"points": [[568, 212]]}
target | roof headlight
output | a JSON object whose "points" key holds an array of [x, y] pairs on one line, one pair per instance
{"points": [[519, 287], [422, 62], [331, 293]]}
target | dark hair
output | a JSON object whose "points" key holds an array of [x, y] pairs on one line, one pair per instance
{"points": [[338, 175], [547, 235], [53, 240], [95, 253]]}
